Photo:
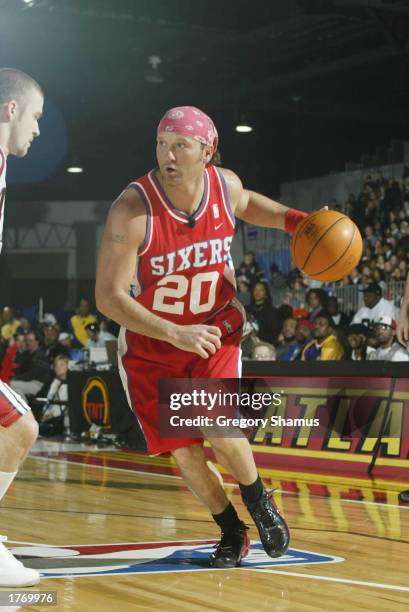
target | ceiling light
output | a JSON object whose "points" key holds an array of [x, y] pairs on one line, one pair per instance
{"points": [[75, 169], [243, 127]]}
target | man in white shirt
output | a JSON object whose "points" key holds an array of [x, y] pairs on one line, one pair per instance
{"points": [[389, 349], [375, 306], [97, 338]]}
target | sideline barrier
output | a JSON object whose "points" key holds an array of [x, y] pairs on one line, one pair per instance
{"points": [[364, 408]]}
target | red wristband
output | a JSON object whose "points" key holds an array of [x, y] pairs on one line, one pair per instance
{"points": [[292, 218]]}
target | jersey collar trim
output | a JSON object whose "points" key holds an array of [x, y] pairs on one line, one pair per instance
{"points": [[180, 215]]}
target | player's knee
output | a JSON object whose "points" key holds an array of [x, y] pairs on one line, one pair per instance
{"points": [[27, 431], [188, 456]]}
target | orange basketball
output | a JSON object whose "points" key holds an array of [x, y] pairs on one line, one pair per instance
{"points": [[326, 245]]}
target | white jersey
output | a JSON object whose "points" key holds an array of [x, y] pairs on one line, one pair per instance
{"points": [[368, 316], [392, 353], [3, 165]]}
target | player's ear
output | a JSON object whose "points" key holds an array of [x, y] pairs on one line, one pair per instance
{"points": [[10, 109], [208, 154]]}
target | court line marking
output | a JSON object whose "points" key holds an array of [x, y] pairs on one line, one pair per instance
{"points": [[374, 585], [198, 540], [228, 484], [117, 469]]}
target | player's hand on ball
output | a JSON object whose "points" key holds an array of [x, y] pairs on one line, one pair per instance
{"points": [[201, 339]]}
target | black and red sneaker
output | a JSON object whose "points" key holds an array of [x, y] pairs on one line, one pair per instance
{"points": [[273, 530], [233, 546]]}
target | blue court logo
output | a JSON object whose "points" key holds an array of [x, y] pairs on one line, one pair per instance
{"points": [[148, 558]]}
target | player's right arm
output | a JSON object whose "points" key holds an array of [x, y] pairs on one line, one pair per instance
{"points": [[117, 260], [403, 325]]}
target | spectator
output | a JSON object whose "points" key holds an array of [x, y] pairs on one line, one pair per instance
{"points": [[303, 333], [65, 340], [53, 411], [243, 293], [33, 369], [48, 319], [264, 352], [264, 312], [25, 325], [250, 268], [52, 345], [284, 312], [290, 348], [340, 318], [375, 306], [357, 335], [325, 346], [369, 237], [80, 320], [277, 279], [17, 345], [10, 324], [317, 301], [96, 337], [389, 349]]}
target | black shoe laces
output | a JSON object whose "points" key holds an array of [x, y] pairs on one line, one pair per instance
{"points": [[229, 539], [265, 506]]}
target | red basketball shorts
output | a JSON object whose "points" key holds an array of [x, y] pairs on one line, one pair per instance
{"points": [[145, 361], [12, 406]]}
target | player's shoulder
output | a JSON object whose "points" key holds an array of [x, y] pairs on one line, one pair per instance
{"points": [[233, 182], [230, 177], [129, 203]]}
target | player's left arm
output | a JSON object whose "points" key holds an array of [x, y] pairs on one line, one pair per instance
{"points": [[258, 209]]}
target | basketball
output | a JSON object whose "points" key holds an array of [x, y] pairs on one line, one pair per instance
{"points": [[326, 245]]}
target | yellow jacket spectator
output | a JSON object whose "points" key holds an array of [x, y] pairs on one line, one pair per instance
{"points": [[10, 325], [325, 346], [80, 321]]}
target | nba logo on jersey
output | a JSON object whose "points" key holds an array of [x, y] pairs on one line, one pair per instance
{"points": [[148, 558], [216, 212]]}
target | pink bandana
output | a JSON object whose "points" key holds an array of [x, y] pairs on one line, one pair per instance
{"points": [[190, 121]]}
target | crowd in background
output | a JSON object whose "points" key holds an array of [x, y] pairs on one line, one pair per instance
{"points": [[283, 308], [35, 355]]}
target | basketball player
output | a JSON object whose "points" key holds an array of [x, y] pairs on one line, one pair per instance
{"points": [[21, 106], [175, 226]]}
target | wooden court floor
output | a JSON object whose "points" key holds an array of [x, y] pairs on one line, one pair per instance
{"points": [[349, 549]]}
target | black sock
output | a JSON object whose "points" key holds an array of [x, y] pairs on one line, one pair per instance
{"points": [[227, 520], [252, 493]]}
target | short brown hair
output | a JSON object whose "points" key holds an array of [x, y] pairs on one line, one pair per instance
{"points": [[14, 84]]}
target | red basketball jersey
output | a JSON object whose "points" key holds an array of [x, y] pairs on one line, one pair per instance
{"points": [[185, 272]]}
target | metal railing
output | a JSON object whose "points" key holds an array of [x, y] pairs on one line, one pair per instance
{"points": [[350, 298]]}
